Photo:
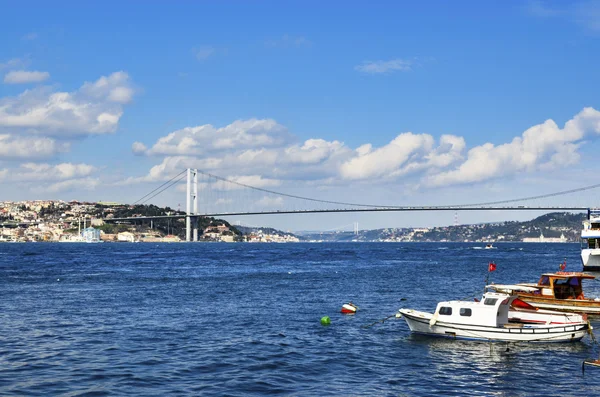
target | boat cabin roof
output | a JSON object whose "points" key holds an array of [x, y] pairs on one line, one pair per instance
{"points": [[508, 288], [563, 275]]}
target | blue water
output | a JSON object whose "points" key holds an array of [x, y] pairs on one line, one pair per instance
{"points": [[243, 319]]}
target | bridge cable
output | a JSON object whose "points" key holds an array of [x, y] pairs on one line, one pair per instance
{"points": [[291, 195], [135, 202], [532, 197], [159, 192], [129, 211], [396, 206]]}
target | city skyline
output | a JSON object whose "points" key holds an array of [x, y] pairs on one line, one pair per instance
{"points": [[390, 103]]}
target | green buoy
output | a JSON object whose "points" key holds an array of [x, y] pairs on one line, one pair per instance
{"points": [[325, 320]]}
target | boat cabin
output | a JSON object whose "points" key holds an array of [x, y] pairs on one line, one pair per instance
{"points": [[562, 285], [590, 235], [491, 311]]}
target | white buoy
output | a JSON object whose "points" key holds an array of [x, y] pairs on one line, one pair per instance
{"points": [[349, 308]]}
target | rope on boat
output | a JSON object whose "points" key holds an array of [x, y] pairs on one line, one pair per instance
{"points": [[592, 336], [397, 315], [589, 361]]}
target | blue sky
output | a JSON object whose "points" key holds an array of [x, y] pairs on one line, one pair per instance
{"points": [[400, 103]]}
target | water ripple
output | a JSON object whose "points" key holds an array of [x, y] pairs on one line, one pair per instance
{"points": [[238, 320]]}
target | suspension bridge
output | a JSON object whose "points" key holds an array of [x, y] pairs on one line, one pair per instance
{"points": [[217, 201]]}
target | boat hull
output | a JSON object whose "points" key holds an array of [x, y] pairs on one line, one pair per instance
{"points": [[590, 258], [588, 306], [419, 322]]}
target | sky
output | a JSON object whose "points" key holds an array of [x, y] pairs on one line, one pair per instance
{"points": [[388, 103]]}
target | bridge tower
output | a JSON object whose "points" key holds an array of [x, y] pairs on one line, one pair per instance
{"points": [[191, 201]]}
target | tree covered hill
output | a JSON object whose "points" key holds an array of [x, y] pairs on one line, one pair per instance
{"points": [[550, 225]]}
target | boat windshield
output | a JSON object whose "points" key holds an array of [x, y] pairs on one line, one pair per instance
{"points": [[574, 281], [567, 288], [490, 301], [545, 280]]}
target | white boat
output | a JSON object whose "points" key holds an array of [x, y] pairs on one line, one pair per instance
{"points": [[590, 241], [488, 320], [489, 246]]}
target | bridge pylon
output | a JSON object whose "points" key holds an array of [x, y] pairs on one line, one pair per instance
{"points": [[191, 201]]}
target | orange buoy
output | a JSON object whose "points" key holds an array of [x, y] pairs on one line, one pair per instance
{"points": [[349, 308]]}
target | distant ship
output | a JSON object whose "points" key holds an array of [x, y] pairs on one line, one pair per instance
{"points": [[590, 241]]}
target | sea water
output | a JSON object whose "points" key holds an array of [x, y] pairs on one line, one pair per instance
{"points": [[244, 319]]}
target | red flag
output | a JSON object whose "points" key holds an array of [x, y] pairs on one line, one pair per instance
{"points": [[491, 267], [563, 265]]}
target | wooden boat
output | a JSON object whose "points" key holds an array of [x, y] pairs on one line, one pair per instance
{"points": [[557, 291], [523, 312], [488, 320]]}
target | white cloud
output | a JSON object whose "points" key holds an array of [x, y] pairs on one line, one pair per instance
{"points": [[24, 76], [45, 178], [369, 163], [223, 201], [264, 158], [270, 202], [27, 172], [208, 139], [583, 13], [248, 180], [138, 148], [113, 88], [313, 151], [42, 178], [15, 63], [380, 67], [93, 109], [121, 94], [448, 153], [59, 171], [12, 147], [69, 185], [541, 147], [203, 53]]}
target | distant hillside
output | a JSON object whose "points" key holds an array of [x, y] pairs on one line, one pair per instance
{"points": [[165, 226], [551, 225], [245, 230]]}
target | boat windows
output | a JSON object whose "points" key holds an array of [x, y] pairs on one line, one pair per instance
{"points": [[568, 288], [545, 280], [490, 301], [574, 281], [465, 312], [445, 311], [593, 243]]}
